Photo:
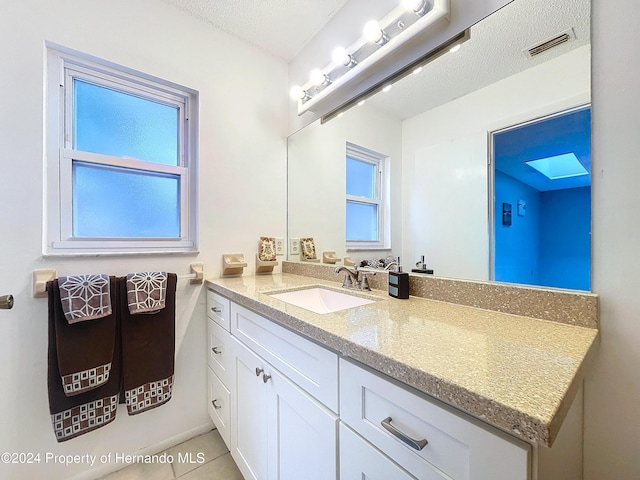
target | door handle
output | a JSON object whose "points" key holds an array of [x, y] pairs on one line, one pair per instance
{"points": [[6, 302]]}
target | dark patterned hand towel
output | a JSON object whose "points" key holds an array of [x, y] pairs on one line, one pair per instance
{"points": [[85, 297], [148, 346], [146, 292], [85, 348], [81, 413]]}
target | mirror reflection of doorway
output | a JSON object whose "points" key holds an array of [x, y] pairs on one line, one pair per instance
{"points": [[541, 189]]}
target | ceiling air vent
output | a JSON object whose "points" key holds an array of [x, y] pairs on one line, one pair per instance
{"points": [[559, 39]]}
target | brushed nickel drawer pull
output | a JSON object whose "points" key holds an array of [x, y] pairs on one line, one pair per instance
{"points": [[217, 407], [216, 310], [265, 378], [415, 444], [259, 371], [216, 350]]}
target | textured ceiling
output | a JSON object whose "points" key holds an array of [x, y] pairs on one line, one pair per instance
{"points": [[493, 52], [280, 27]]}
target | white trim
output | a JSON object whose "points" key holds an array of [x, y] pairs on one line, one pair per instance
{"points": [[62, 67]]}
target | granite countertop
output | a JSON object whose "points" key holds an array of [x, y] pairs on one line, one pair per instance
{"points": [[517, 373]]}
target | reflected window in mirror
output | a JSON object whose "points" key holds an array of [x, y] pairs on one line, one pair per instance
{"points": [[367, 223]]}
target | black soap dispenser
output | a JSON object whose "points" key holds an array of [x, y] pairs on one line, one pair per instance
{"points": [[399, 283]]}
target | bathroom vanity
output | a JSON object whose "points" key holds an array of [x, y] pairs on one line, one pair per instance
{"points": [[401, 389]]}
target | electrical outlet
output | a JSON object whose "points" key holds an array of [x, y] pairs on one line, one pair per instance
{"points": [[279, 246], [294, 246]]}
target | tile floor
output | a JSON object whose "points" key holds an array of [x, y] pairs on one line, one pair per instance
{"points": [[217, 465]]}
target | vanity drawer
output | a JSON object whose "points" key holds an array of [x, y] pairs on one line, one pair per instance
{"points": [[458, 446], [310, 366], [219, 357], [219, 401], [218, 309], [360, 460]]}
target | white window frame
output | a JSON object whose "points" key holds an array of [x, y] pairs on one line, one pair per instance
{"points": [[381, 199], [63, 66]]}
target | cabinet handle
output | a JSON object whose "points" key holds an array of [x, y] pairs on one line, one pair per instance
{"points": [[416, 444], [265, 378], [217, 407], [259, 371], [216, 350], [216, 310]]}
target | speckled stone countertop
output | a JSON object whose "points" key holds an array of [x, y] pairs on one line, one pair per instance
{"points": [[517, 373]]}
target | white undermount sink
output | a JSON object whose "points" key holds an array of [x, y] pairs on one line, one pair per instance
{"points": [[321, 300]]}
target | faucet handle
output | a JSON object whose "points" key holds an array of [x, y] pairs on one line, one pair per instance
{"points": [[364, 282], [347, 282]]}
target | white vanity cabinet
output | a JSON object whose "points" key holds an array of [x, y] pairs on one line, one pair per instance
{"points": [[219, 363], [281, 430], [423, 438], [291, 409]]}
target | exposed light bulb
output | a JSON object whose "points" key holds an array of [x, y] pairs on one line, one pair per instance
{"points": [[298, 93], [455, 48], [386, 88], [341, 57], [374, 33], [419, 7], [318, 78]]}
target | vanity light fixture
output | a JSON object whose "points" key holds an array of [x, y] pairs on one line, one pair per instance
{"points": [[299, 93], [416, 71], [318, 78], [361, 102], [375, 34], [455, 49], [341, 57], [386, 88], [419, 7], [392, 33]]}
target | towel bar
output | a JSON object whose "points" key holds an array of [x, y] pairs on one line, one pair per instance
{"points": [[41, 277]]}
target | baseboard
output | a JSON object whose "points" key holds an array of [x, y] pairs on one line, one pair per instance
{"points": [[106, 469]]}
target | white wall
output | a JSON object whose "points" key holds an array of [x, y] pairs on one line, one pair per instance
{"points": [[444, 150], [317, 177], [612, 390], [243, 122]]}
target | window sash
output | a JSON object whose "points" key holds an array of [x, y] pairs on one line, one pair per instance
{"points": [[68, 156]]}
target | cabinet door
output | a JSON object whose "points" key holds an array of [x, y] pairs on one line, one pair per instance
{"points": [[249, 413], [302, 440], [361, 461]]}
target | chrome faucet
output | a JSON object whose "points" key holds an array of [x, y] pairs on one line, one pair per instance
{"points": [[354, 279], [392, 266]]}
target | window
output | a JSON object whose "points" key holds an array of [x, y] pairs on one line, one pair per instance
{"points": [[367, 199], [121, 160]]}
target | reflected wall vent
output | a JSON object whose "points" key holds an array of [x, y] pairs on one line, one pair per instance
{"points": [[559, 39]]}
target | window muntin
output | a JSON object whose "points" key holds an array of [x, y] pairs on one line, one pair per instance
{"points": [[121, 161], [366, 199]]}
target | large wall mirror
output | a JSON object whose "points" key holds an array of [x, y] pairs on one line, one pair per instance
{"points": [[446, 135]]}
